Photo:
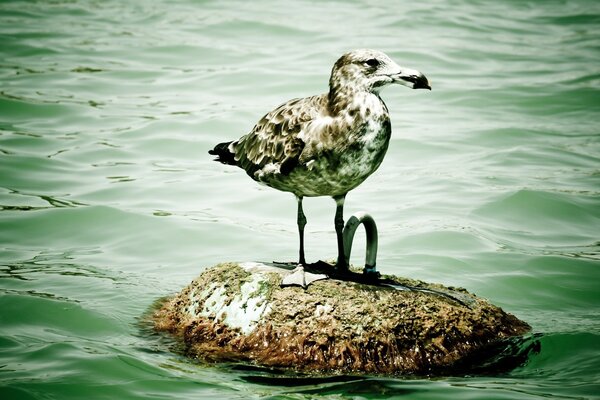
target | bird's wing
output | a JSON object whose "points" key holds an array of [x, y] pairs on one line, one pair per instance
{"points": [[278, 139]]}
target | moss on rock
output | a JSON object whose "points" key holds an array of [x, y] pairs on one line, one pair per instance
{"points": [[231, 313]]}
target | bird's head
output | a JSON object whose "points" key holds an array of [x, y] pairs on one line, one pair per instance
{"points": [[371, 70]]}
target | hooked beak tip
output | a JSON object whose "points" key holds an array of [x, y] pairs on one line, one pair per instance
{"points": [[421, 83], [412, 79]]}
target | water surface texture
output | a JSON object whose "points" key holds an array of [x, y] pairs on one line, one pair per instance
{"points": [[110, 201]]}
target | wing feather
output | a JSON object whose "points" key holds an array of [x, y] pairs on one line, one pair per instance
{"points": [[276, 141]]}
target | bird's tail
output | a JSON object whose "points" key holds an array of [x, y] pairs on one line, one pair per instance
{"points": [[224, 155]]}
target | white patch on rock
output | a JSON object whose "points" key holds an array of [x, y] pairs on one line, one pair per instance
{"points": [[321, 310], [258, 268], [244, 311]]}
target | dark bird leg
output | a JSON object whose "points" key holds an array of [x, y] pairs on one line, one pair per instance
{"points": [[341, 264], [301, 225], [298, 276]]}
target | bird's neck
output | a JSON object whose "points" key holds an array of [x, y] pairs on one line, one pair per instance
{"points": [[353, 102]]}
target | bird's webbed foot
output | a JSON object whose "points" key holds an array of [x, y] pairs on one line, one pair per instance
{"points": [[299, 277]]}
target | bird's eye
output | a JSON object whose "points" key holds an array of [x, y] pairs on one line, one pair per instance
{"points": [[372, 62]]}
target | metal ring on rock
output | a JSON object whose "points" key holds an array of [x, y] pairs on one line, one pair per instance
{"points": [[371, 231]]}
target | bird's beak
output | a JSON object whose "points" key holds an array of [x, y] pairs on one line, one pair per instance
{"points": [[411, 78]]}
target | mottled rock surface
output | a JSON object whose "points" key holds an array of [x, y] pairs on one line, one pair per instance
{"points": [[238, 312]]}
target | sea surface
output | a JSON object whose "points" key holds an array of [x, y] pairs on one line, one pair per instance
{"points": [[109, 200]]}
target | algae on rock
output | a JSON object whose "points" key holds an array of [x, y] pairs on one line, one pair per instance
{"points": [[238, 312]]}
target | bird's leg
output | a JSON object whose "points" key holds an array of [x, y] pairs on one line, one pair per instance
{"points": [[301, 225], [298, 275], [341, 264]]}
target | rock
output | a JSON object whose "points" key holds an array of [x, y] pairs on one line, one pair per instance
{"points": [[238, 312]]}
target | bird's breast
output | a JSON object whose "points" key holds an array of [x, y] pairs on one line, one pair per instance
{"points": [[365, 152], [339, 152], [341, 168]]}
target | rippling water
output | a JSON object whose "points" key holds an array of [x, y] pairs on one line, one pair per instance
{"points": [[109, 201]]}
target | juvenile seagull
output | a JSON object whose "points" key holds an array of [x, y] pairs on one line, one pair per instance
{"points": [[328, 144]]}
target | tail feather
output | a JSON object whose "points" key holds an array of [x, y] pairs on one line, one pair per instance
{"points": [[223, 154]]}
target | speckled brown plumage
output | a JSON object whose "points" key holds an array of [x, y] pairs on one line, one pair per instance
{"points": [[328, 144]]}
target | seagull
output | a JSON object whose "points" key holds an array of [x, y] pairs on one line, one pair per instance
{"points": [[327, 144]]}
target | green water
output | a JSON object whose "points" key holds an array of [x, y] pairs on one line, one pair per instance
{"points": [[109, 201]]}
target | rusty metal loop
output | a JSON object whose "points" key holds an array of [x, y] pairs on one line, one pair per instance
{"points": [[371, 231]]}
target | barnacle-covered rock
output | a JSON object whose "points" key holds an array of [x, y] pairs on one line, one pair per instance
{"points": [[238, 312]]}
